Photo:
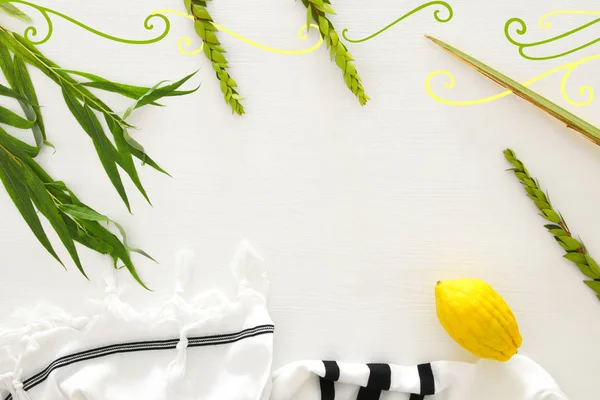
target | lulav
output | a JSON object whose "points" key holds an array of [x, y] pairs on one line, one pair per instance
{"points": [[203, 24], [318, 10]]}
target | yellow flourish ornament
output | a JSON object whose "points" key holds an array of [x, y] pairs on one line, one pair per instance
{"points": [[477, 318], [186, 42], [585, 91], [544, 24]]}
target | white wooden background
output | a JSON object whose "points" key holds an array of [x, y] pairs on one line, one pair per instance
{"points": [[357, 211]]}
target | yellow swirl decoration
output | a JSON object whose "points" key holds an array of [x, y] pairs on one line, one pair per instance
{"points": [[584, 90], [544, 24], [186, 42]]}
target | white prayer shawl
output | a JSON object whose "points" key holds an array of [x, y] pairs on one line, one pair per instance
{"points": [[518, 379], [210, 347]]}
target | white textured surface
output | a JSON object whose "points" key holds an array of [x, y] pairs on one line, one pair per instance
{"points": [[357, 211]]}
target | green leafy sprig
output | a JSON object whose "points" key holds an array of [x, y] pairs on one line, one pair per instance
{"points": [[82, 103], [31, 189], [205, 28], [576, 251], [317, 10], [15, 12]]}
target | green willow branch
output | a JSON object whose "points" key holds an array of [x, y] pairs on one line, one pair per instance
{"points": [[31, 189], [31, 32], [206, 30], [317, 10], [82, 103], [576, 252]]}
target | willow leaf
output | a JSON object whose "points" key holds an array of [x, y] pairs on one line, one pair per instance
{"points": [[82, 212], [146, 160], [83, 237], [6, 64], [23, 49], [13, 182], [168, 90], [26, 89], [8, 92], [131, 91], [16, 146], [126, 160], [126, 245], [569, 119], [10, 118], [105, 149], [45, 204], [119, 250], [15, 12]]}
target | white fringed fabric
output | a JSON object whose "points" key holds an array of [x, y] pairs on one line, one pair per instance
{"points": [[209, 346]]}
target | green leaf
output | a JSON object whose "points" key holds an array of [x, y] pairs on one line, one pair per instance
{"points": [[211, 38], [13, 180], [188, 5], [335, 39], [8, 92], [146, 160], [119, 250], [575, 257], [105, 149], [124, 145], [167, 90], [592, 264], [566, 117], [552, 226], [551, 215], [131, 249], [571, 243], [6, 64], [540, 195], [564, 246], [14, 12], [340, 60], [44, 203], [586, 270], [10, 118], [32, 111], [558, 232], [328, 9], [20, 149], [200, 30], [82, 212], [218, 57], [130, 91], [324, 25], [201, 12], [594, 285]]}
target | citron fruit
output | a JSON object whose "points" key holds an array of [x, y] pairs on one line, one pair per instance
{"points": [[478, 318]]}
